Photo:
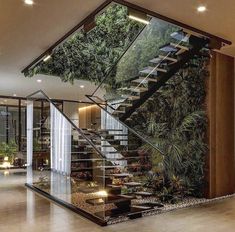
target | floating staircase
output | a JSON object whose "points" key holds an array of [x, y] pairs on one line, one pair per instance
{"points": [[172, 57], [111, 157]]}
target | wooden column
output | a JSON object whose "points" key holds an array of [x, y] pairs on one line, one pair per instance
{"points": [[220, 109]]}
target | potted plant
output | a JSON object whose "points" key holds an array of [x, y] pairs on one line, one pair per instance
{"points": [[8, 151]]}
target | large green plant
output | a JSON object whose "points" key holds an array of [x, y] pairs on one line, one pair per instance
{"points": [[8, 150], [89, 56], [175, 120]]}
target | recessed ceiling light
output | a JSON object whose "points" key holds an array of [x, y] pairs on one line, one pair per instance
{"points": [[201, 8], [39, 80], [29, 2], [82, 86], [14, 95]]}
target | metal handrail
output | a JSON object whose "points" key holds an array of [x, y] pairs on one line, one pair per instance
{"points": [[30, 97]]}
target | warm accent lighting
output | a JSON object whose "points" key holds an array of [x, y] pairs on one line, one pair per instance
{"points": [[102, 193], [14, 95], [82, 86], [201, 9], [138, 16], [138, 19], [48, 57], [6, 173], [6, 163], [29, 2], [39, 80]]}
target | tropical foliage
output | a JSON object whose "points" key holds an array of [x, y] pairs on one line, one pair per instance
{"points": [[176, 122], [89, 56], [8, 150]]}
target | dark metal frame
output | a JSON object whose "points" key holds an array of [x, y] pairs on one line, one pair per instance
{"points": [[68, 206], [132, 6]]}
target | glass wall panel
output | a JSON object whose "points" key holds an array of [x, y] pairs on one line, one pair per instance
{"points": [[65, 163], [12, 132], [3, 124]]}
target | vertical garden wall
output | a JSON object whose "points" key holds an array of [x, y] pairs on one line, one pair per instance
{"points": [[175, 120]]}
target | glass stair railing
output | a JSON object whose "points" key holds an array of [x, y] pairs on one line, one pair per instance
{"points": [[101, 171], [153, 58]]}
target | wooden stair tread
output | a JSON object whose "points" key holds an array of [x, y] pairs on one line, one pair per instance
{"points": [[142, 193], [134, 97], [132, 184], [125, 104], [145, 80], [168, 58], [179, 46], [168, 48], [152, 70], [119, 112], [138, 89], [180, 36]]}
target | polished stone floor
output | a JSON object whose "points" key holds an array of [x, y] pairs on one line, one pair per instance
{"points": [[24, 211]]}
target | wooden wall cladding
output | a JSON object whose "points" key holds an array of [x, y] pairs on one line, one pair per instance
{"points": [[89, 117], [220, 109]]}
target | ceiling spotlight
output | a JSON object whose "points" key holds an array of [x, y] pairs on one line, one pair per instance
{"points": [[201, 9], [39, 80], [29, 2], [47, 57], [138, 16], [82, 86]]}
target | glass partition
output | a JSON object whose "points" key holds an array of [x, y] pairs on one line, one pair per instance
{"points": [[12, 133], [158, 47], [65, 163], [101, 170]]}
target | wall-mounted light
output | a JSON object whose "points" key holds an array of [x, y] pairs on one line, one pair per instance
{"points": [[14, 95], [47, 57], [82, 86], [39, 80], [138, 16]]}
